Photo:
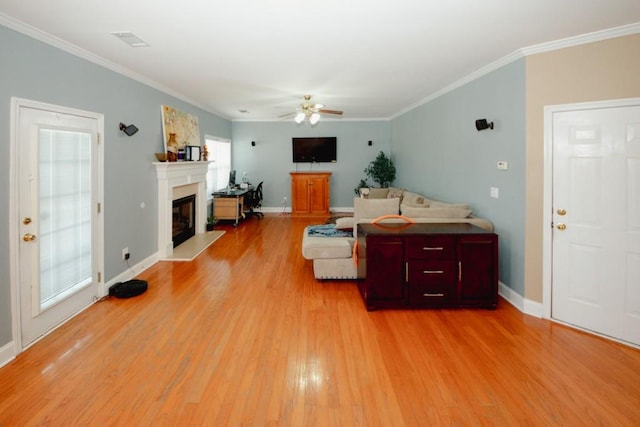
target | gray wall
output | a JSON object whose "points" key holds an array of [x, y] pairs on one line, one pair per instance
{"points": [[436, 149], [34, 70], [271, 159], [439, 153]]}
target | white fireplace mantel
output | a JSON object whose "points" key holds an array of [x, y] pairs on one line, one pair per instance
{"points": [[172, 175]]}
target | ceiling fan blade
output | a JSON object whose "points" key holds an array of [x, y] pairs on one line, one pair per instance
{"points": [[336, 112]]}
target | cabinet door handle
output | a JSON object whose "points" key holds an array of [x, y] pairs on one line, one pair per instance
{"points": [[459, 271], [432, 295], [406, 272], [433, 271], [436, 248]]}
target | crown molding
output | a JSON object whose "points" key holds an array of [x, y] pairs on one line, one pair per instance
{"points": [[37, 34], [596, 36], [63, 45], [611, 33], [463, 81]]}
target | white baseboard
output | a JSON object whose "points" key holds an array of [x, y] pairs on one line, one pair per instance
{"points": [[7, 353], [276, 210], [526, 306]]}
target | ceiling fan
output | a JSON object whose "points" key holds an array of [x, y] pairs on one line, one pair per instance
{"points": [[311, 111]]}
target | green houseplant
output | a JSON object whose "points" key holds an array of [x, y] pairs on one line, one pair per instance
{"points": [[362, 184], [210, 222], [381, 170]]}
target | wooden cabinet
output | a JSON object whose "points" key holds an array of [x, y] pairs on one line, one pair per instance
{"points": [[428, 265], [310, 193]]}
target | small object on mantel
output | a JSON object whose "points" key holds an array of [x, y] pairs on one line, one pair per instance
{"points": [[172, 148], [162, 157]]}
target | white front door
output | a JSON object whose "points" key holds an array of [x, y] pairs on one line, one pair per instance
{"points": [[596, 220], [58, 232]]}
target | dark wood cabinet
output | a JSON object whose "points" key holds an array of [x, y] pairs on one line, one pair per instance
{"points": [[310, 193], [385, 262], [426, 265]]}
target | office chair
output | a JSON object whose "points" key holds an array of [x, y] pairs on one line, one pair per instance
{"points": [[253, 200]]}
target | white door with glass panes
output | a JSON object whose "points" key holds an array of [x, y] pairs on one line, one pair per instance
{"points": [[59, 231]]}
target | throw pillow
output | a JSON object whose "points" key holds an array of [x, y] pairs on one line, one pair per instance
{"points": [[395, 193], [414, 199], [368, 209], [345, 223], [378, 193]]}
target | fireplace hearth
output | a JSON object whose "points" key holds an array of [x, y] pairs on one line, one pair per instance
{"points": [[183, 224]]}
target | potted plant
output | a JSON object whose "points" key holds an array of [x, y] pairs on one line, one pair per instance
{"points": [[362, 184], [210, 223], [381, 170]]}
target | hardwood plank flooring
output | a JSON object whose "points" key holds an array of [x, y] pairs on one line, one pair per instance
{"points": [[244, 335]]}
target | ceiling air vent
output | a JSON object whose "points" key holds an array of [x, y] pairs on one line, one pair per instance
{"points": [[130, 39]]}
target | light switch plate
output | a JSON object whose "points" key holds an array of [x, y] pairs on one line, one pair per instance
{"points": [[495, 192], [503, 166]]}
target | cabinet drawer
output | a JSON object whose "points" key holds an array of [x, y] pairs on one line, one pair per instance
{"points": [[432, 247], [432, 273], [422, 296], [431, 294]]}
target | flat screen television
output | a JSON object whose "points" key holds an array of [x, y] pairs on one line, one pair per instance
{"points": [[319, 149]]}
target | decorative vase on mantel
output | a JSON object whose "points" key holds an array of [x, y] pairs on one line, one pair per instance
{"points": [[172, 148]]}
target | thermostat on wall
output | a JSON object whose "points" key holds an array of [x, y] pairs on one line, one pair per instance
{"points": [[503, 166]]}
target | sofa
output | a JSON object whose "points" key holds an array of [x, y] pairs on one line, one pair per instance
{"points": [[332, 257]]}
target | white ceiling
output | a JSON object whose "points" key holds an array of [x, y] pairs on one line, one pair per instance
{"points": [[372, 59]]}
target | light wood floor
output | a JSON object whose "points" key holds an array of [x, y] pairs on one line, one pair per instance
{"points": [[244, 335]]}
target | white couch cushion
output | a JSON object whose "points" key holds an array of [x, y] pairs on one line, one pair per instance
{"points": [[436, 204], [344, 223], [369, 209], [373, 208], [395, 193], [433, 212], [378, 193], [414, 199], [326, 247]]}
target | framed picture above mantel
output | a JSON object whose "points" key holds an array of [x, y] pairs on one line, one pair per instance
{"points": [[179, 128]]}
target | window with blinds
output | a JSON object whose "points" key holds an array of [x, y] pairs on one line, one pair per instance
{"points": [[220, 153]]}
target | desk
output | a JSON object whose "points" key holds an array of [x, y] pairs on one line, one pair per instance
{"points": [[229, 204]]}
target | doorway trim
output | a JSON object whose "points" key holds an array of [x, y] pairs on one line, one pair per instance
{"points": [[547, 202], [14, 205]]}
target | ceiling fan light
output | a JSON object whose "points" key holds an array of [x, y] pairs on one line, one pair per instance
{"points": [[299, 117], [315, 117]]}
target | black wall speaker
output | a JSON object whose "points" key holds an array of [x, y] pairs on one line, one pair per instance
{"points": [[128, 130], [482, 124], [253, 143]]}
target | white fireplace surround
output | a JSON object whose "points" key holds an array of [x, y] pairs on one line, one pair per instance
{"points": [[175, 180]]}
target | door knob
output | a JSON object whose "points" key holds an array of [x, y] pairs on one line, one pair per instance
{"points": [[562, 226], [29, 237], [562, 212]]}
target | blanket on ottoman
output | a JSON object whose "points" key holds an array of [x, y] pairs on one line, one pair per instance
{"points": [[328, 230]]}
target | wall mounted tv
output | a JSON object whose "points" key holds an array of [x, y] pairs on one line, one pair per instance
{"points": [[320, 149]]}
